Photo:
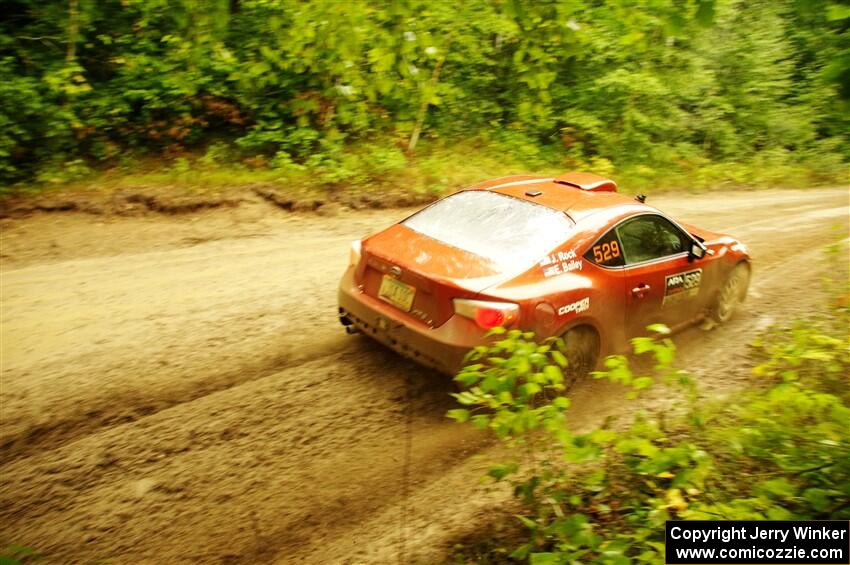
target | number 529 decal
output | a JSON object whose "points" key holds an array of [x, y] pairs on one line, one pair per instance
{"points": [[606, 251]]}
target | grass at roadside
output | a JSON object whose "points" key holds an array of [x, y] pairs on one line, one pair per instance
{"points": [[384, 175]]}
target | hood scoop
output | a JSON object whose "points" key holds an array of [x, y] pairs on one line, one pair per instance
{"points": [[586, 181]]}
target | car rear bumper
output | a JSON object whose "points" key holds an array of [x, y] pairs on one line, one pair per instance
{"points": [[442, 348]]}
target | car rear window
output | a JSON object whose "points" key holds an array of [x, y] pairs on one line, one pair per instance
{"points": [[501, 228]]}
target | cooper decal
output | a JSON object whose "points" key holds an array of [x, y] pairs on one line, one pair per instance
{"points": [[578, 307], [681, 286]]}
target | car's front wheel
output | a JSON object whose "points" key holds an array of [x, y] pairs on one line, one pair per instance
{"points": [[733, 291], [581, 348]]}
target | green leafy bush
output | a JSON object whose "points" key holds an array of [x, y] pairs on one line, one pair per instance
{"points": [[603, 496], [18, 555]]}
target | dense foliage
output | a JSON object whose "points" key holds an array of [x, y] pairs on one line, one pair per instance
{"points": [[645, 86], [603, 496]]}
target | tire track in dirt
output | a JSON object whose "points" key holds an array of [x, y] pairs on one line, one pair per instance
{"points": [[211, 458], [300, 457], [190, 324], [130, 405]]}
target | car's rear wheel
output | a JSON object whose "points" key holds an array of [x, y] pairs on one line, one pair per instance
{"points": [[733, 292], [581, 348]]}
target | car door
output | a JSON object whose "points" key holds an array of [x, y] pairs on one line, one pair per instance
{"points": [[662, 284]]}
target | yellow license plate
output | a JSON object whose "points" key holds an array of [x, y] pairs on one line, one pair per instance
{"points": [[397, 293]]}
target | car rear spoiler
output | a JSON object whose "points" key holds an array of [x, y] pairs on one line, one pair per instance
{"points": [[587, 181]]}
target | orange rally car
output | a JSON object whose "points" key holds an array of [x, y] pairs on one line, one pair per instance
{"points": [[565, 256]]}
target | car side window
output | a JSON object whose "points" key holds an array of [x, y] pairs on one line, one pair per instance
{"points": [[607, 251], [650, 237]]}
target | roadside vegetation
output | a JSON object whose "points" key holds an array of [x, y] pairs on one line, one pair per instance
{"points": [[779, 450], [17, 555], [424, 96]]}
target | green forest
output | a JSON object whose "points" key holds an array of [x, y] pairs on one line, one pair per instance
{"points": [[694, 93]]}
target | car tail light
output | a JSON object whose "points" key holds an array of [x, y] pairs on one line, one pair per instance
{"points": [[487, 314], [354, 253]]}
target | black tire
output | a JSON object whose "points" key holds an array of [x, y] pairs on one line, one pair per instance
{"points": [[732, 293], [581, 348]]}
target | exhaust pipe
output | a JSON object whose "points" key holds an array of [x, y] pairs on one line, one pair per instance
{"points": [[344, 319], [350, 328]]}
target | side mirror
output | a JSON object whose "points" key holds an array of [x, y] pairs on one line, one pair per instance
{"points": [[697, 251]]}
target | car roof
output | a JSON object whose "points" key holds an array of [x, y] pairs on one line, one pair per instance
{"points": [[576, 202]]}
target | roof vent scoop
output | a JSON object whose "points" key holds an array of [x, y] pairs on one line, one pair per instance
{"points": [[587, 181]]}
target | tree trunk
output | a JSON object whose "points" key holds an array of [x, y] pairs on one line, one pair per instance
{"points": [[423, 107], [73, 30]]}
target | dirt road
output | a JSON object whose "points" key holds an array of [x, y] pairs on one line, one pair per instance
{"points": [[178, 389]]}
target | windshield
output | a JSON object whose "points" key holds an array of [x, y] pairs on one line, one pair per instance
{"points": [[504, 229]]}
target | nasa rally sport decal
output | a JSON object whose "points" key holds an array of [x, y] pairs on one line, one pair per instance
{"points": [[681, 286]]}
